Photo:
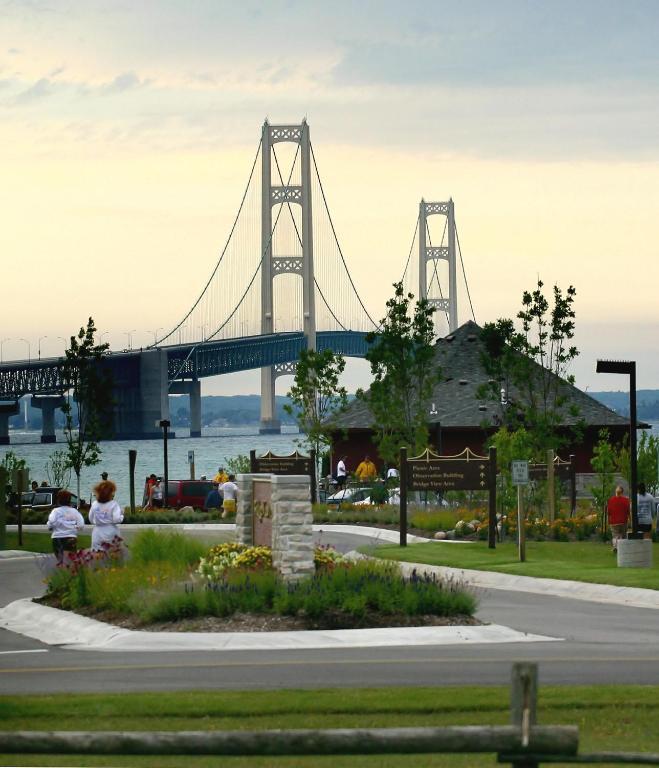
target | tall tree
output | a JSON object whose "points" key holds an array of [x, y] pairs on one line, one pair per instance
{"points": [[89, 387], [402, 358], [317, 397], [528, 367]]}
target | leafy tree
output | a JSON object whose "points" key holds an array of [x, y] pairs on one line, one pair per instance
{"points": [[511, 445], [58, 470], [11, 462], [402, 359], [605, 462], [528, 367], [646, 451], [238, 465], [89, 386], [316, 397]]}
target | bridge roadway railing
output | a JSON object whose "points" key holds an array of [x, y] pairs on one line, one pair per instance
{"points": [[212, 358]]}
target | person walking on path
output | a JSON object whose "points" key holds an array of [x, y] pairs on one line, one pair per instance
{"points": [[618, 510], [229, 491], [341, 473], [65, 522], [645, 502], [366, 471], [105, 515]]}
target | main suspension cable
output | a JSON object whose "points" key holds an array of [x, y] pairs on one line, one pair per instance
{"points": [[464, 273]]}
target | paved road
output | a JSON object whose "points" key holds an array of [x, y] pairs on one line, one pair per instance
{"points": [[602, 644]]}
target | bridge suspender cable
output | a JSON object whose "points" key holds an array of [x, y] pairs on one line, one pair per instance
{"points": [[409, 255], [336, 240], [249, 285], [226, 245], [464, 272]]}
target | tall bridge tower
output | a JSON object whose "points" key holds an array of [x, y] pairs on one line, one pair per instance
{"points": [[275, 264], [432, 253]]}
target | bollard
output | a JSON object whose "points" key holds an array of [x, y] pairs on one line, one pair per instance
{"points": [[523, 705]]}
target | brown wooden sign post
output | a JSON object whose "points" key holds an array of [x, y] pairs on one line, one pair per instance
{"points": [[293, 464], [467, 471]]}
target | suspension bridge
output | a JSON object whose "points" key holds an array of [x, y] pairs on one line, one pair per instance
{"points": [[281, 284]]}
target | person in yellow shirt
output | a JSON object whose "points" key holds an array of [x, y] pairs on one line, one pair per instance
{"points": [[366, 471], [221, 476]]}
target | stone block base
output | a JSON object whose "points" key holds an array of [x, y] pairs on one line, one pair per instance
{"points": [[48, 439]]}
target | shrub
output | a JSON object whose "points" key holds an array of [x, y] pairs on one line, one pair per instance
{"points": [[150, 546]]}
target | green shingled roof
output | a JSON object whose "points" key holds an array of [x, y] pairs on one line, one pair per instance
{"points": [[459, 355]]}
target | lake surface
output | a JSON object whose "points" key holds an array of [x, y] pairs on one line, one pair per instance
{"points": [[211, 451]]}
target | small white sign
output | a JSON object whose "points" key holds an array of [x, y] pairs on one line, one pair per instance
{"points": [[520, 472], [190, 457]]}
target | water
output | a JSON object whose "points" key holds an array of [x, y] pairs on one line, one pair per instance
{"points": [[211, 451]]}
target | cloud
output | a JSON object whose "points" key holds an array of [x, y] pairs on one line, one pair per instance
{"points": [[36, 92], [124, 82], [14, 51]]}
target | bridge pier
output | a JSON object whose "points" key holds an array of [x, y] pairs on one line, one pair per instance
{"points": [[47, 405], [270, 424], [141, 395], [193, 389], [7, 410]]}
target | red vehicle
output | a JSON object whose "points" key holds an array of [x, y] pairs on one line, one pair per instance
{"points": [[184, 493]]}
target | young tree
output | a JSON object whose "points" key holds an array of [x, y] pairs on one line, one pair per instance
{"points": [[57, 469], [404, 370], [89, 386], [316, 396], [604, 462], [528, 367]]}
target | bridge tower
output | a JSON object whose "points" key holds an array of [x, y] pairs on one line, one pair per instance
{"points": [[279, 264], [433, 253]]}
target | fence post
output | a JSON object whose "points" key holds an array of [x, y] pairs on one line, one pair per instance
{"points": [[551, 491], [523, 705], [403, 497]]}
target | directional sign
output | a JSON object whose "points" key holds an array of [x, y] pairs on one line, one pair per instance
{"points": [[520, 472], [190, 457], [295, 464], [449, 475]]}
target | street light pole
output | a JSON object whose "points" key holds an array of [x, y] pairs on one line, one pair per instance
{"points": [[164, 423], [129, 334], [2, 343], [628, 367], [39, 344]]}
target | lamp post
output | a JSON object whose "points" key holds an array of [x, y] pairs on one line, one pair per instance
{"points": [[129, 335], [164, 423], [61, 338], [100, 338], [39, 345], [29, 354], [155, 335], [628, 367], [2, 343]]}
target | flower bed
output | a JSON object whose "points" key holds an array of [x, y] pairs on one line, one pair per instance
{"points": [[165, 580]]}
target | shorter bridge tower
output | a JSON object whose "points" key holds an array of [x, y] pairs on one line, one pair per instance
{"points": [[279, 264], [433, 253]]}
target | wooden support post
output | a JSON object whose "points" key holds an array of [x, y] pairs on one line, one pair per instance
{"points": [[573, 485], [551, 490], [523, 705], [521, 531], [492, 515], [252, 461], [314, 476], [403, 497], [132, 459], [3, 508]]}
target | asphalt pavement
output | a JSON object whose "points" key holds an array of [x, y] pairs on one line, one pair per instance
{"points": [[597, 643]]}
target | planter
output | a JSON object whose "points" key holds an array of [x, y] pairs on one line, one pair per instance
{"points": [[634, 553]]}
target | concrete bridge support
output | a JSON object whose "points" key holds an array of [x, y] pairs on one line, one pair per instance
{"points": [[7, 410], [141, 395], [47, 405], [193, 389]]}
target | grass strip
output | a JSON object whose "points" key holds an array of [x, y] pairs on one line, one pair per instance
{"points": [[614, 718], [591, 562]]}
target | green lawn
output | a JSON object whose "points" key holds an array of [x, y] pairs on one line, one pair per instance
{"points": [[609, 718], [41, 542], [576, 560]]}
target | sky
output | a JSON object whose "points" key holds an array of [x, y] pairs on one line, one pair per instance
{"points": [[127, 131]]}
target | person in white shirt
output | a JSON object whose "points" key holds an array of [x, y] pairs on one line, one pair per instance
{"points": [[65, 522], [105, 515], [229, 491], [645, 511], [341, 472], [392, 472]]}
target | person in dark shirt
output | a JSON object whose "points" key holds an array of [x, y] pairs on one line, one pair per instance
{"points": [[214, 499]]}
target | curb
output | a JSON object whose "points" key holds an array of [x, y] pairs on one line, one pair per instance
{"points": [[61, 628]]}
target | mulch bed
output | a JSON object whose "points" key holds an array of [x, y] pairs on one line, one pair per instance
{"points": [[249, 622]]}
